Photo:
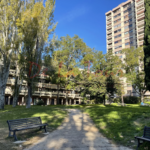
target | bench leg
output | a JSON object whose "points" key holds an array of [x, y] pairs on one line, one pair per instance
{"points": [[138, 144], [10, 134], [40, 128], [14, 135], [45, 128]]}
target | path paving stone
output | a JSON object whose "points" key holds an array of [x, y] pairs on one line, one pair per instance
{"points": [[77, 133]]}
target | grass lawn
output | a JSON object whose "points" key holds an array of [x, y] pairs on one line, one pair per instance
{"points": [[120, 124], [54, 116]]}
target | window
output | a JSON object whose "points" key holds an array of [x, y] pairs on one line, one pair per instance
{"points": [[127, 21], [117, 26], [118, 52], [116, 10], [129, 9], [119, 35], [120, 56], [129, 92], [129, 43], [117, 41], [128, 15], [116, 47], [130, 25], [117, 16], [131, 37], [130, 31], [117, 20], [126, 27], [126, 33], [117, 31], [127, 5]]}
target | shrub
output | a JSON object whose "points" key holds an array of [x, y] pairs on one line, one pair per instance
{"points": [[131, 99], [40, 102], [117, 100]]}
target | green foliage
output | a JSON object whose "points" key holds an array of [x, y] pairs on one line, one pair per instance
{"points": [[135, 70], [147, 44], [145, 146], [40, 102], [131, 99], [117, 100]]}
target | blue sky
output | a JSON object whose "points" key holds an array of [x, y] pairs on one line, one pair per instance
{"points": [[86, 18]]}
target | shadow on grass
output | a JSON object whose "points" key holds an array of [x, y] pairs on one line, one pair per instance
{"points": [[120, 124]]}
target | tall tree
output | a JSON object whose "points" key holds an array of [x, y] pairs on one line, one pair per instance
{"points": [[68, 56], [35, 25], [134, 67], [147, 44], [10, 10]]}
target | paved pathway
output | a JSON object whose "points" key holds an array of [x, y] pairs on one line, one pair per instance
{"points": [[76, 133]]}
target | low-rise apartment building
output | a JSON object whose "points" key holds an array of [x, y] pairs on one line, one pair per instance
{"points": [[46, 91]]}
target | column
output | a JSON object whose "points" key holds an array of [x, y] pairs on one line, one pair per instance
{"points": [[74, 102], [9, 100], [47, 101], [61, 101], [22, 100], [50, 101], [66, 102], [55, 101], [70, 102], [79, 101]]}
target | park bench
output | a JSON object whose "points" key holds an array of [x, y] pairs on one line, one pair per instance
{"points": [[24, 124], [145, 137], [122, 104]]}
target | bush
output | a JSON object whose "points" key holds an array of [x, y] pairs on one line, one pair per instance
{"points": [[117, 100], [40, 102], [131, 99]]}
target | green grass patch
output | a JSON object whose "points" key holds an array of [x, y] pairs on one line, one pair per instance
{"points": [[54, 116], [120, 124]]}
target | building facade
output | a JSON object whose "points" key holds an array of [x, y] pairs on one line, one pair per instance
{"points": [[124, 29], [43, 91]]}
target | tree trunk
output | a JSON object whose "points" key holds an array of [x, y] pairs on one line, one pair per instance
{"points": [[15, 97], [58, 95], [142, 97], [67, 98], [122, 100], [2, 97], [104, 99], [28, 103]]}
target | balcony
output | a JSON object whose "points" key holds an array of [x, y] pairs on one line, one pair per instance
{"points": [[109, 36], [109, 27], [139, 3], [109, 42], [141, 22], [77, 96], [141, 36], [11, 81], [140, 16], [110, 31], [140, 42], [108, 17], [140, 9], [109, 46], [12, 72], [71, 95]]}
